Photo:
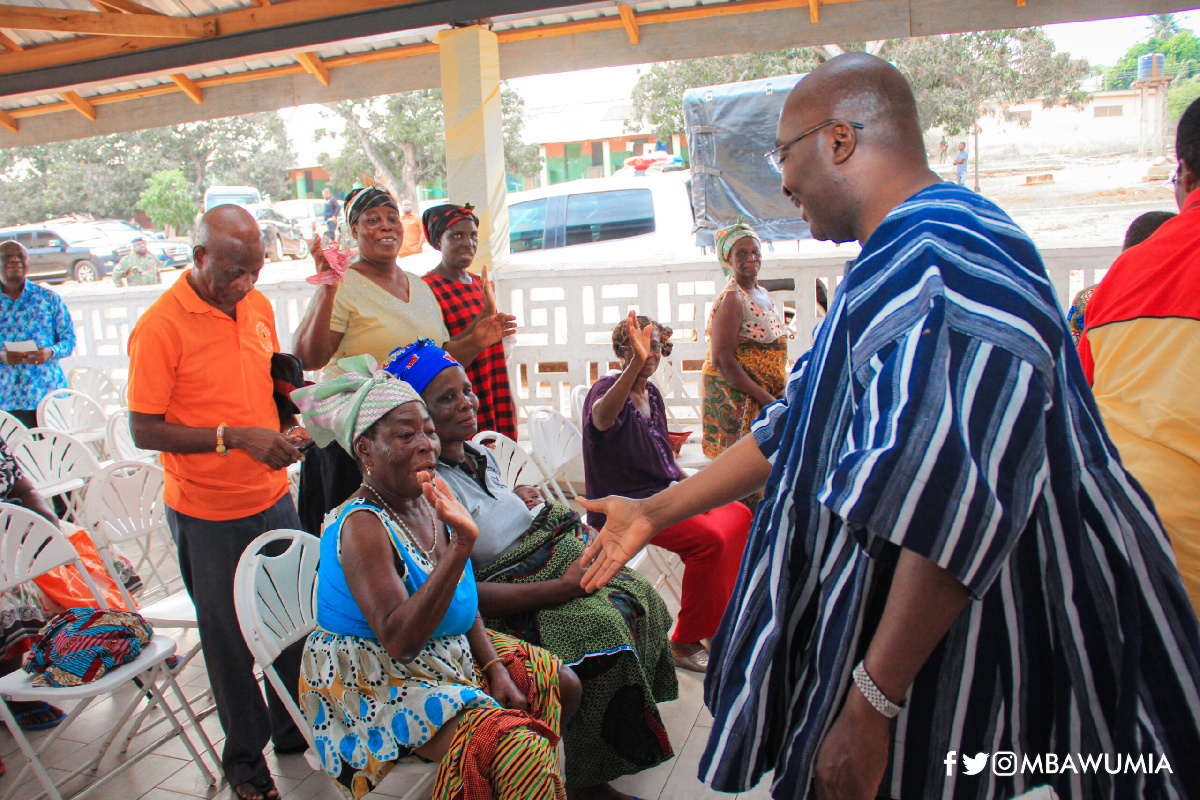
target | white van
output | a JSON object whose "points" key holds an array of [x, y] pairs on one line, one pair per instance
{"points": [[241, 195]]}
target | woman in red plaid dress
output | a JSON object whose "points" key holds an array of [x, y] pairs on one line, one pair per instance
{"points": [[454, 230]]}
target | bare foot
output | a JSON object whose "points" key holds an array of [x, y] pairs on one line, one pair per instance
{"points": [[257, 789], [685, 650]]}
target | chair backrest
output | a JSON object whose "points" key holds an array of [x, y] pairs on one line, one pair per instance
{"points": [[11, 428], [70, 411], [96, 384], [30, 546], [516, 468], [554, 438], [124, 503], [275, 595], [578, 395], [674, 392], [118, 439], [50, 458]]}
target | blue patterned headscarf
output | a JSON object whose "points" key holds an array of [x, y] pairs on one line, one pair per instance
{"points": [[419, 363]]}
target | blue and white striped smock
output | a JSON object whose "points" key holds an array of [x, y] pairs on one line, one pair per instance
{"points": [[942, 409]]}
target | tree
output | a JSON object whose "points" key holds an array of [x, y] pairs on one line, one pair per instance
{"points": [[960, 78], [401, 140], [169, 200], [1163, 26], [1182, 58]]}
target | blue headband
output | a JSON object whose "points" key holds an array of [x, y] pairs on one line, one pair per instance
{"points": [[419, 363]]}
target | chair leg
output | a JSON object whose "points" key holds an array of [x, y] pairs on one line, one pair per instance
{"points": [[139, 726], [195, 724], [30, 754]]}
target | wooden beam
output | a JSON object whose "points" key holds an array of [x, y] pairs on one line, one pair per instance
{"points": [[8, 121], [80, 105], [105, 23], [629, 19], [128, 6], [813, 16], [189, 87], [10, 43], [313, 65]]}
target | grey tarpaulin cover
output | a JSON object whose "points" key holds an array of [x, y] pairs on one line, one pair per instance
{"points": [[729, 127]]}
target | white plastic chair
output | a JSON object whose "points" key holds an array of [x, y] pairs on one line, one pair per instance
{"points": [[11, 428], [29, 547], [516, 468], [72, 412], [118, 439], [276, 601], [556, 442], [578, 395], [96, 384], [670, 382], [57, 464]]}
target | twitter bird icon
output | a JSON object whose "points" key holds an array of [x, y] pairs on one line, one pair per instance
{"points": [[973, 765]]}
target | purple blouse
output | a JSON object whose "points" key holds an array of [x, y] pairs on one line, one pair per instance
{"points": [[633, 458]]}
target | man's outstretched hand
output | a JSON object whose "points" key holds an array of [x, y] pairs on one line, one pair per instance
{"points": [[626, 531]]}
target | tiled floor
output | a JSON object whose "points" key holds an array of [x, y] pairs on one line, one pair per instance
{"points": [[168, 772]]}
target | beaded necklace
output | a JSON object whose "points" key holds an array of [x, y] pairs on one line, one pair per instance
{"points": [[427, 553]]}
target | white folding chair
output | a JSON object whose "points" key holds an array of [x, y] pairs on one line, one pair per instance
{"points": [[96, 384], [674, 391], [555, 442], [30, 546], [578, 395], [516, 468], [57, 464], [73, 412], [276, 601], [11, 428], [118, 439]]}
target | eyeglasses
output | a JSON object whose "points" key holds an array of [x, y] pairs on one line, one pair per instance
{"points": [[1175, 178], [772, 156]]}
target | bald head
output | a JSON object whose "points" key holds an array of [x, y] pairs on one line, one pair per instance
{"points": [[850, 146], [228, 256], [866, 89]]}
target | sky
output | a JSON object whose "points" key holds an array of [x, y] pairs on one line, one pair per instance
{"points": [[1101, 42]]}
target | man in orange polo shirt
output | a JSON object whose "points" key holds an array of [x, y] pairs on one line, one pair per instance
{"points": [[1141, 352], [412, 231], [200, 391]]}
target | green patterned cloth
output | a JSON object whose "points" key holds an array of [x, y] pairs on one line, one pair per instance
{"points": [[341, 408], [614, 639]]}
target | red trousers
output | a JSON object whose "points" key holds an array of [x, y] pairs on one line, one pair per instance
{"points": [[711, 546]]}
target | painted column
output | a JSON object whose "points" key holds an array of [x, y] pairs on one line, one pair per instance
{"points": [[470, 66], [607, 150]]}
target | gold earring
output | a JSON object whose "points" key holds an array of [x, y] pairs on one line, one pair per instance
{"points": [[368, 468]]}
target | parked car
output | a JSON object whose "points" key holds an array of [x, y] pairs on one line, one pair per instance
{"points": [[308, 214], [65, 252], [241, 195], [281, 236], [602, 219], [172, 254]]}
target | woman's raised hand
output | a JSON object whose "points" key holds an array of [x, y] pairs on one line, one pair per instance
{"points": [[639, 340], [318, 255], [489, 293], [626, 531], [448, 509]]}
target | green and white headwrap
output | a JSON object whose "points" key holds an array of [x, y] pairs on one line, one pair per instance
{"points": [[726, 238], [340, 409]]}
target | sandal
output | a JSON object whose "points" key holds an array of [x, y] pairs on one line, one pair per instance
{"points": [[263, 788], [696, 662], [24, 711]]}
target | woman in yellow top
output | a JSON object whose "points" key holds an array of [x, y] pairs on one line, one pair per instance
{"points": [[746, 367], [374, 308]]}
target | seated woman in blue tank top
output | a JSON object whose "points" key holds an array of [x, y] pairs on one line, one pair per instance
{"points": [[400, 664]]}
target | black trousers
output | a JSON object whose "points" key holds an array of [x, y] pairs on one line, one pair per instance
{"points": [[208, 556], [27, 417], [328, 476]]}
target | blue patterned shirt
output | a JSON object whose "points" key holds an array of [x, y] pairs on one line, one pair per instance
{"points": [[39, 315], [943, 410]]}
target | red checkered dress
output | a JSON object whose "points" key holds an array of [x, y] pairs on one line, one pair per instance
{"points": [[461, 304]]}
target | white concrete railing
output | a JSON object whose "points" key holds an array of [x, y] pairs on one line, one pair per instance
{"points": [[566, 315]]}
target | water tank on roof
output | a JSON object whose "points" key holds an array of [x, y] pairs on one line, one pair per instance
{"points": [[1151, 65]]}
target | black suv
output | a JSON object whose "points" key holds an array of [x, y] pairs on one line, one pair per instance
{"points": [[61, 253]]}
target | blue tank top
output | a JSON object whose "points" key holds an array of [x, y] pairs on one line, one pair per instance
{"points": [[338, 612]]}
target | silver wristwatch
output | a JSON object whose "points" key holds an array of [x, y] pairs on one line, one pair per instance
{"points": [[875, 697]]}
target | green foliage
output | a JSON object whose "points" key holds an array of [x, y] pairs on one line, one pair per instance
{"points": [[169, 200], [105, 176], [1181, 95], [1182, 51], [658, 93], [959, 78], [401, 140]]}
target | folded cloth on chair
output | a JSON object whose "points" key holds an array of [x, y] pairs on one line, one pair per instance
{"points": [[81, 644]]}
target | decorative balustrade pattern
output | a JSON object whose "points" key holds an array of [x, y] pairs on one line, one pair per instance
{"points": [[566, 316]]}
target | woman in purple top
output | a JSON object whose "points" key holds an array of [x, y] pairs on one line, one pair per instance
{"points": [[626, 452]]}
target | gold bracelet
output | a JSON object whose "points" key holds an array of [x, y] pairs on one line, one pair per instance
{"points": [[222, 450], [484, 669]]}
